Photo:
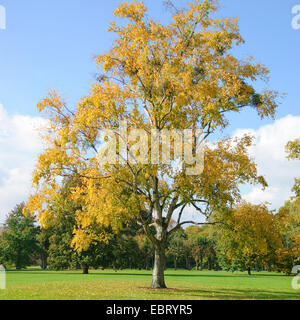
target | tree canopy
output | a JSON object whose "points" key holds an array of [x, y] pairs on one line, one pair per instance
{"points": [[18, 243], [250, 237]]}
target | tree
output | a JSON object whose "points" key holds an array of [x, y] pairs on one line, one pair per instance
{"points": [[146, 250], [125, 251], [198, 252], [174, 77], [289, 220], [43, 239], [176, 247], [211, 253], [60, 234], [19, 244], [60, 253], [203, 247], [198, 242], [249, 238], [289, 216]]}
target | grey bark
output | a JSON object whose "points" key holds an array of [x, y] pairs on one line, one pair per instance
{"points": [[158, 276]]}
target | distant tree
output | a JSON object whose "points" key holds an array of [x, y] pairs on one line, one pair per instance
{"points": [[146, 250], [203, 246], [289, 220], [125, 251], [198, 242], [250, 237], [120, 250], [19, 244], [177, 248], [43, 239], [62, 254], [211, 254]]}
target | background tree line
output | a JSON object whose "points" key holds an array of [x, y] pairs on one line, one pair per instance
{"points": [[252, 238]]}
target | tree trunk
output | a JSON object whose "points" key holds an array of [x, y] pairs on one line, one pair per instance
{"points": [[159, 241], [44, 263], [209, 263], [201, 263], [249, 271], [158, 276], [187, 263], [85, 270], [175, 264]]}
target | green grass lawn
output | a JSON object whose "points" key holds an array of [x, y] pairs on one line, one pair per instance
{"points": [[34, 284]]}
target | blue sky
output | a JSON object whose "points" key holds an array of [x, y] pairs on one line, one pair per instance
{"points": [[51, 44]]}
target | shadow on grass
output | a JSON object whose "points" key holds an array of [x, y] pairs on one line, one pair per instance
{"points": [[228, 294]]}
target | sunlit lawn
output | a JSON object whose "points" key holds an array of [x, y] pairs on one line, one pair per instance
{"points": [[132, 284]]}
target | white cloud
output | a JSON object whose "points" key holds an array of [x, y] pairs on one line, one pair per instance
{"points": [[19, 146], [270, 156]]}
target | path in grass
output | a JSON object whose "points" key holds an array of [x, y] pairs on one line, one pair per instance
{"points": [[133, 284]]}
